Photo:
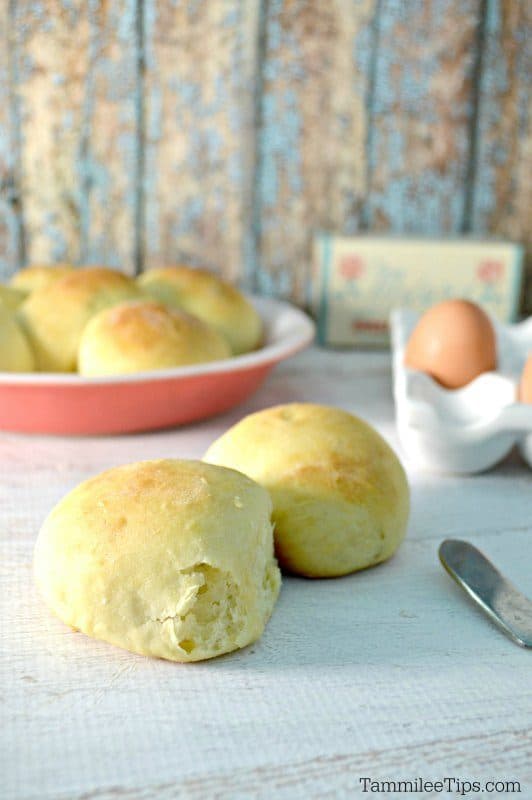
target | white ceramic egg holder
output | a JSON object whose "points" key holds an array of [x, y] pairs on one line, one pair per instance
{"points": [[463, 430]]}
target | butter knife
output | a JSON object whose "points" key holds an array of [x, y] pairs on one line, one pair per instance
{"points": [[495, 595]]}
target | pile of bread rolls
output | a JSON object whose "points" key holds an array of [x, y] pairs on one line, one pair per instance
{"points": [[98, 321], [179, 559]]}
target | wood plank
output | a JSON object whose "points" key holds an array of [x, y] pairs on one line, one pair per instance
{"points": [[198, 111], [396, 689], [422, 112], [75, 74], [312, 171], [52, 53], [502, 189], [110, 161], [374, 674], [10, 239]]}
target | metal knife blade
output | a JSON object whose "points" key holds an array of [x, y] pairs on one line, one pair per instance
{"points": [[497, 597]]}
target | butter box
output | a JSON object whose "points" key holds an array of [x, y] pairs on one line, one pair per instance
{"points": [[356, 281]]}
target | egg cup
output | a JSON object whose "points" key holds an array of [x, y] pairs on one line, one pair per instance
{"points": [[465, 430]]}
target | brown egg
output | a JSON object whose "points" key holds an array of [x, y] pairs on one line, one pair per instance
{"points": [[525, 387], [454, 342]]}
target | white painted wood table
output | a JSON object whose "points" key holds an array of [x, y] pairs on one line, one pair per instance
{"points": [[390, 674]]}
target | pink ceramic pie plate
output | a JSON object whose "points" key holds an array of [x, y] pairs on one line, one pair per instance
{"points": [[69, 404]]}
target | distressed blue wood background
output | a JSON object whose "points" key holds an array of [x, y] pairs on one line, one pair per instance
{"points": [[223, 132]]}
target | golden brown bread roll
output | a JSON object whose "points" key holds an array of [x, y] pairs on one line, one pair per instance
{"points": [[211, 299], [15, 351], [11, 298], [142, 335], [38, 276], [54, 317], [340, 495], [165, 558]]}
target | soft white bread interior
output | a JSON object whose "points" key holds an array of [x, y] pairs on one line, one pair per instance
{"points": [[165, 558]]}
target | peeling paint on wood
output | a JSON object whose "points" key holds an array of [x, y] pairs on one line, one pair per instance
{"points": [[421, 115], [110, 137], [198, 98], [76, 77], [52, 59], [312, 171], [502, 190], [250, 125], [9, 215]]}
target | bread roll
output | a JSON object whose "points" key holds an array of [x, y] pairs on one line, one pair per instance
{"points": [[208, 297], [38, 276], [164, 558], [340, 496], [15, 351], [11, 298], [54, 317], [143, 335]]}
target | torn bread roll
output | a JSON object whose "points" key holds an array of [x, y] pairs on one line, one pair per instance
{"points": [[164, 558]]}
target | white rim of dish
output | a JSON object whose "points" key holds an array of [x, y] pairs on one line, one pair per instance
{"points": [[296, 340]]}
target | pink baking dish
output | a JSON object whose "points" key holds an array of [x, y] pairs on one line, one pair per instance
{"points": [[69, 404]]}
